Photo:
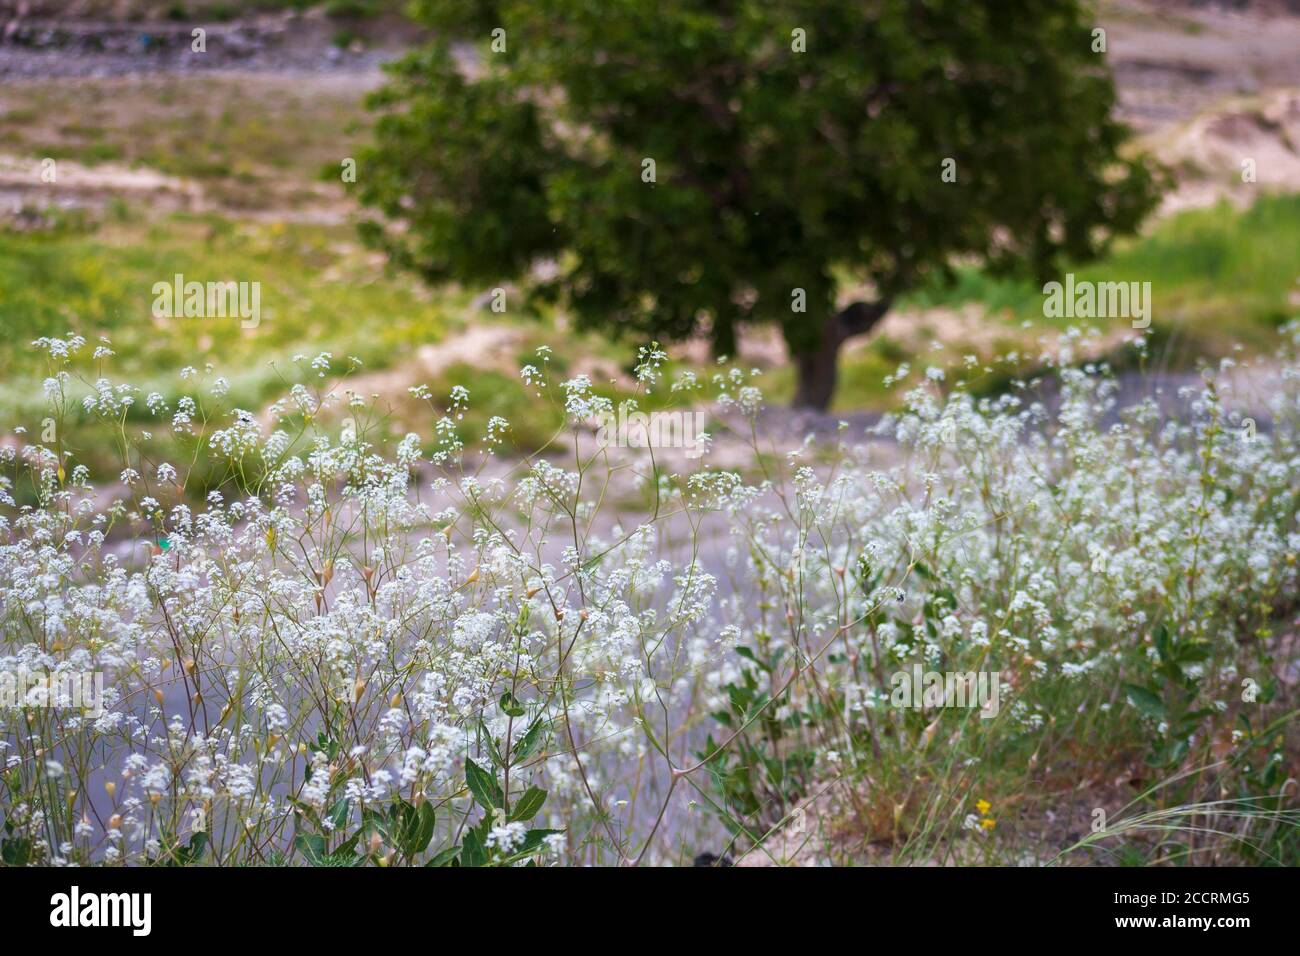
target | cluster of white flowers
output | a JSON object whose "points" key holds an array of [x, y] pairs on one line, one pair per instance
{"points": [[337, 634]]}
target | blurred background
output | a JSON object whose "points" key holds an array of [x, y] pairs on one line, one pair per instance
{"points": [[227, 165]]}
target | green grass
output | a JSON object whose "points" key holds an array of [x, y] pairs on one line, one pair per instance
{"points": [[320, 291], [1218, 275]]}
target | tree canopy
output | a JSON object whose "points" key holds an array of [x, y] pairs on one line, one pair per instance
{"points": [[689, 166]]}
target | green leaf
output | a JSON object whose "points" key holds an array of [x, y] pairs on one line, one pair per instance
{"points": [[372, 821], [1161, 636], [473, 852], [740, 698], [413, 827], [312, 846], [490, 742], [193, 852], [1193, 652], [346, 853], [746, 653], [484, 787], [1145, 701], [16, 851], [527, 806], [445, 857], [530, 741], [423, 833], [533, 842], [338, 814], [511, 705]]}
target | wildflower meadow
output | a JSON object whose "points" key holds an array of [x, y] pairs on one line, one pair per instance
{"points": [[352, 652]]}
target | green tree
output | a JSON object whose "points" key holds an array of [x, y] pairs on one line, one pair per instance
{"points": [[686, 166]]}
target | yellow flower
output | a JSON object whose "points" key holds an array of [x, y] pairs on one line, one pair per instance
{"points": [[988, 823], [983, 806]]}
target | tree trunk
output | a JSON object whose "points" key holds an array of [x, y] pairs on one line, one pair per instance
{"points": [[817, 370], [818, 365]]}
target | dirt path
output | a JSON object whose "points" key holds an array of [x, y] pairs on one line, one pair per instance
{"points": [[480, 345]]}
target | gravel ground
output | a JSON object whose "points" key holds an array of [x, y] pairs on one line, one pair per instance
{"points": [[288, 42]]}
